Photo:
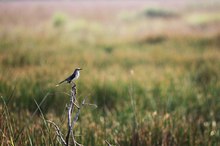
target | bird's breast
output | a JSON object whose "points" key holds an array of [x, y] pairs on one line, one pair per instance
{"points": [[77, 75]]}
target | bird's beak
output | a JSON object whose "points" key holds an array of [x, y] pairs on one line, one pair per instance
{"points": [[80, 69]]}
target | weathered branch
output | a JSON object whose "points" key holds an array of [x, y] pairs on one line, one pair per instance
{"points": [[77, 114], [71, 120], [70, 109]]}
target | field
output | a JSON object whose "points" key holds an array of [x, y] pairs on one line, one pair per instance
{"points": [[152, 69]]}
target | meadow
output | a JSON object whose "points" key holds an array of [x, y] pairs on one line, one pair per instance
{"points": [[152, 69]]}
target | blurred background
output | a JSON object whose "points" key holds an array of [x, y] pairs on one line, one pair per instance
{"points": [[151, 67]]}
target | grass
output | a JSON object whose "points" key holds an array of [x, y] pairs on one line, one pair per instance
{"points": [[203, 19], [151, 88]]}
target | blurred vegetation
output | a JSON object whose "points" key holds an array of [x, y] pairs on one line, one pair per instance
{"points": [[158, 13], [150, 88], [59, 19]]}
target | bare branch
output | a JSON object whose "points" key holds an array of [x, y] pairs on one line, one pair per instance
{"points": [[77, 114], [90, 104], [70, 109], [76, 105], [71, 120]]}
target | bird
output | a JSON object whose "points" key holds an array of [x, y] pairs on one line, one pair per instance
{"points": [[72, 77]]}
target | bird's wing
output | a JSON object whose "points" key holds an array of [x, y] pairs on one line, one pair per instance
{"points": [[69, 79]]}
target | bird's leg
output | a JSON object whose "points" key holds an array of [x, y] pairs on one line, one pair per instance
{"points": [[73, 84]]}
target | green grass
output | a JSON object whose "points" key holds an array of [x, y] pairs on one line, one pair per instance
{"points": [[203, 19], [154, 89]]}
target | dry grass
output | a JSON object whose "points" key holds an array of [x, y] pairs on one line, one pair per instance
{"points": [[154, 77]]}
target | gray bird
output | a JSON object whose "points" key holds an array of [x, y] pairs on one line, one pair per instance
{"points": [[72, 77]]}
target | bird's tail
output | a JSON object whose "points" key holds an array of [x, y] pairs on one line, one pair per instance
{"points": [[60, 83]]}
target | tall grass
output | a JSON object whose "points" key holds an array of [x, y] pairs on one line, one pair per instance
{"points": [[150, 88]]}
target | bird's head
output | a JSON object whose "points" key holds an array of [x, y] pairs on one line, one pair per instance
{"points": [[78, 69]]}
